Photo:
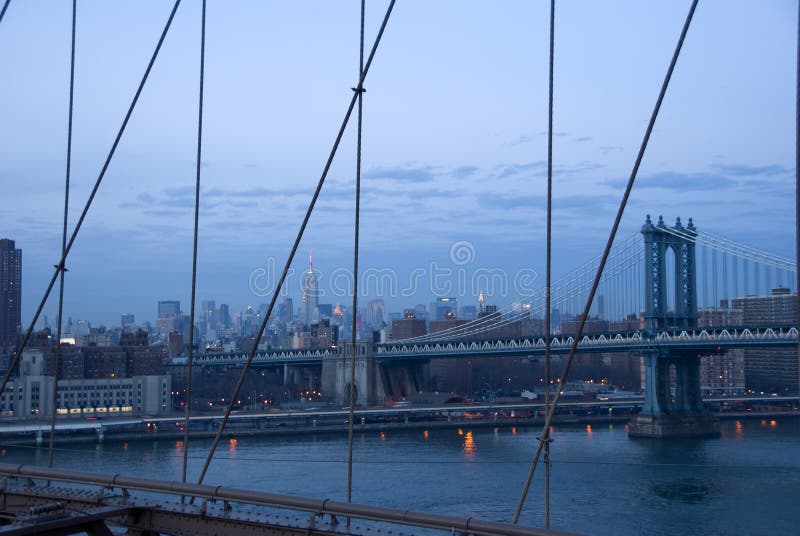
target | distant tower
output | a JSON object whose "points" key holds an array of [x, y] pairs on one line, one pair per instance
{"points": [[10, 292], [481, 303], [310, 294]]}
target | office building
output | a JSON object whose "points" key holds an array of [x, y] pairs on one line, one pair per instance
{"points": [[770, 370], [10, 293]]}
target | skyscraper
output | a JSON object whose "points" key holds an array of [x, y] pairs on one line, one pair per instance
{"points": [[310, 294], [169, 308], [10, 292]]}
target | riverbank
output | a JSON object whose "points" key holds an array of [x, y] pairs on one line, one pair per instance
{"points": [[316, 428]]}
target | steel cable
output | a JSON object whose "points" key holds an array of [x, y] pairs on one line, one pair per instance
{"points": [[95, 188], [3, 12], [549, 415], [190, 351], [360, 93], [57, 353], [296, 244], [548, 260]]}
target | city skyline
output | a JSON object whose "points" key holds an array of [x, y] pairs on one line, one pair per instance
{"points": [[476, 175]]}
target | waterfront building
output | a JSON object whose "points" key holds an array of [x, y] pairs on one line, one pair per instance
{"points": [[769, 369], [31, 393]]}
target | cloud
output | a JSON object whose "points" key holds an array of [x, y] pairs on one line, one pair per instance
{"points": [[605, 149], [433, 192], [583, 139], [145, 199], [464, 171], [510, 170], [673, 180], [255, 192], [401, 174], [509, 202], [518, 141], [743, 170], [180, 191]]}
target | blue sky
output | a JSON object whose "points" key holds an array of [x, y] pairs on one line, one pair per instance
{"points": [[454, 150]]}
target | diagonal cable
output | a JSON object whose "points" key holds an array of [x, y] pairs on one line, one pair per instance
{"points": [[300, 233], [188, 400], [3, 11], [73, 236], [57, 357], [551, 411]]}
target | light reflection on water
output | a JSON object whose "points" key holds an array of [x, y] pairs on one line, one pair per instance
{"points": [[603, 482], [469, 445]]}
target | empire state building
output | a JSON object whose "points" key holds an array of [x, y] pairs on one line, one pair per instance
{"points": [[310, 295]]}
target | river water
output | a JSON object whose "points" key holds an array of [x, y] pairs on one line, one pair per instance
{"points": [[746, 482]]}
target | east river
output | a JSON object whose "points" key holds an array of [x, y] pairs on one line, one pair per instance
{"points": [[746, 482]]}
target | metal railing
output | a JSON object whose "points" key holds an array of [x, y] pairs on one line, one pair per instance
{"points": [[452, 524]]}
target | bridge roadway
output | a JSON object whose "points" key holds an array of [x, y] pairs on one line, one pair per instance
{"points": [[273, 418], [700, 339]]}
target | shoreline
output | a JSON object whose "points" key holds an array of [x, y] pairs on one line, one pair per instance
{"points": [[328, 429]]}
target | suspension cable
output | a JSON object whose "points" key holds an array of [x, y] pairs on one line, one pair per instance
{"points": [[190, 354], [548, 263], [565, 281], [95, 188], [545, 436], [3, 12], [57, 356], [296, 244], [796, 188], [360, 91], [492, 323]]}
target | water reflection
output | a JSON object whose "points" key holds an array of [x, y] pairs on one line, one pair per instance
{"points": [[425, 434], [469, 445], [687, 490]]}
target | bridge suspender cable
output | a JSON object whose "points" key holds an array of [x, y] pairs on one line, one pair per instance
{"points": [[190, 354], [88, 204], [549, 414], [796, 190], [57, 355], [360, 92], [299, 237], [548, 262]]}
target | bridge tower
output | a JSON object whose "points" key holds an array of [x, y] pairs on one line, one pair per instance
{"points": [[672, 405], [659, 242]]}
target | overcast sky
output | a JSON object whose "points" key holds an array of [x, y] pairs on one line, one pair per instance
{"points": [[454, 138]]}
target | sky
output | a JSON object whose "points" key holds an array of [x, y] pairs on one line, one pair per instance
{"points": [[454, 151]]}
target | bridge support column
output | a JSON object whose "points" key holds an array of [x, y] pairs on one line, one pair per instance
{"points": [[403, 379], [665, 414], [336, 376]]}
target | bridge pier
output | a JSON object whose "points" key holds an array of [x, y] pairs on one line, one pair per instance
{"points": [[673, 409], [672, 406], [39, 438], [335, 378], [403, 379]]}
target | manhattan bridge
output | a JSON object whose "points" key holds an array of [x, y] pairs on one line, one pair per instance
{"points": [[672, 272]]}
